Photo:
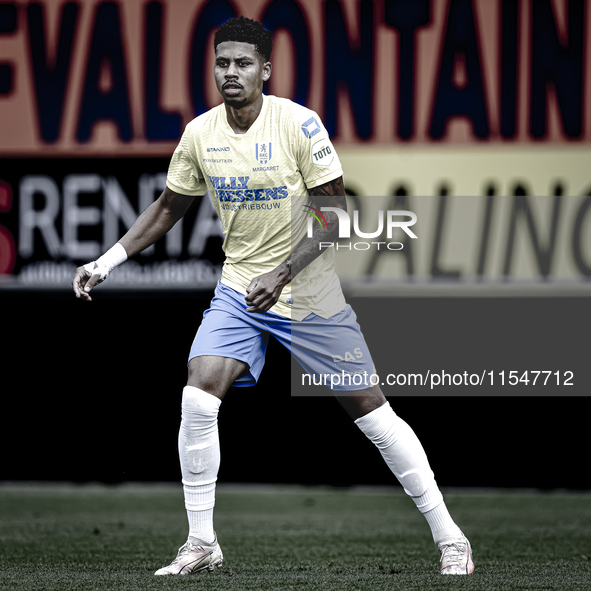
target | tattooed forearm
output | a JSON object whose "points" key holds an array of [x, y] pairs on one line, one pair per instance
{"points": [[331, 194], [331, 189]]}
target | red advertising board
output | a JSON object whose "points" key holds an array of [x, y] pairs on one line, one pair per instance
{"points": [[102, 77], [421, 97]]}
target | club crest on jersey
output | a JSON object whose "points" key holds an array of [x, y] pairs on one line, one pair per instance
{"points": [[263, 152]]}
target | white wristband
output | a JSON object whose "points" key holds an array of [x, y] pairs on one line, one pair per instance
{"points": [[113, 257], [106, 263]]}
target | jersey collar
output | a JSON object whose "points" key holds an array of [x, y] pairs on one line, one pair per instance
{"points": [[225, 126]]}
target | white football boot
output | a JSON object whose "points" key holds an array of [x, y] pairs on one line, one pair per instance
{"points": [[195, 556], [456, 557]]}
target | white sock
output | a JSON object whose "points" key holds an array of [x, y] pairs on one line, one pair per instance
{"points": [[404, 454], [441, 523], [199, 453], [199, 502]]}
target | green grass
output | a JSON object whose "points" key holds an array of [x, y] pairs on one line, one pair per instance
{"points": [[105, 538]]}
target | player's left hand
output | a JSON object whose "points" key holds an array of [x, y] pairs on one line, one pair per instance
{"points": [[264, 291], [86, 277]]}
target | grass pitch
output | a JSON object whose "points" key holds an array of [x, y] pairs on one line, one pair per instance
{"points": [[63, 537]]}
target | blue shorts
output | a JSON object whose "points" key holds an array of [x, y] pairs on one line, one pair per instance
{"points": [[331, 350]]}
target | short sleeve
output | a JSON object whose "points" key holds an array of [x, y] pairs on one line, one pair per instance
{"points": [[317, 158], [184, 174]]}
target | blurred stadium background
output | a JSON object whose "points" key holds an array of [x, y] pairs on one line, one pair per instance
{"points": [[474, 114]]}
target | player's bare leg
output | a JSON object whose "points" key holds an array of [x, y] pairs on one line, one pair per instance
{"points": [[214, 374], [362, 402], [199, 453], [404, 454]]}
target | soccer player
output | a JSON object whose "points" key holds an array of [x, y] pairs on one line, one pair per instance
{"points": [[260, 158]]}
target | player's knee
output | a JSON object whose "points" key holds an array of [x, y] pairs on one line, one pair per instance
{"points": [[363, 403], [204, 381], [199, 410], [214, 374]]}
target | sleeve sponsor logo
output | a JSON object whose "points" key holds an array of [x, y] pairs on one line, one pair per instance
{"points": [[322, 153], [311, 127]]}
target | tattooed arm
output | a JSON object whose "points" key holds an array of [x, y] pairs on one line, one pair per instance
{"points": [[331, 194], [264, 291]]}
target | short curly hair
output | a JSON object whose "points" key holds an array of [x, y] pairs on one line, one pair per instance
{"points": [[246, 30]]}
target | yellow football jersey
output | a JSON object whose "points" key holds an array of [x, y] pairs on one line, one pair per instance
{"points": [[258, 182]]}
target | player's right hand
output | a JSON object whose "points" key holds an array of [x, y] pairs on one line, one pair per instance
{"points": [[85, 278]]}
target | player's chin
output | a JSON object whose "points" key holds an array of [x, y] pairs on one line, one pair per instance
{"points": [[234, 101]]}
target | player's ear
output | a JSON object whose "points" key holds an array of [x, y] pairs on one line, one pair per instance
{"points": [[266, 71]]}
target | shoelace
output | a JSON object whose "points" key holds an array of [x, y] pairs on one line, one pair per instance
{"points": [[185, 550], [452, 553]]}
